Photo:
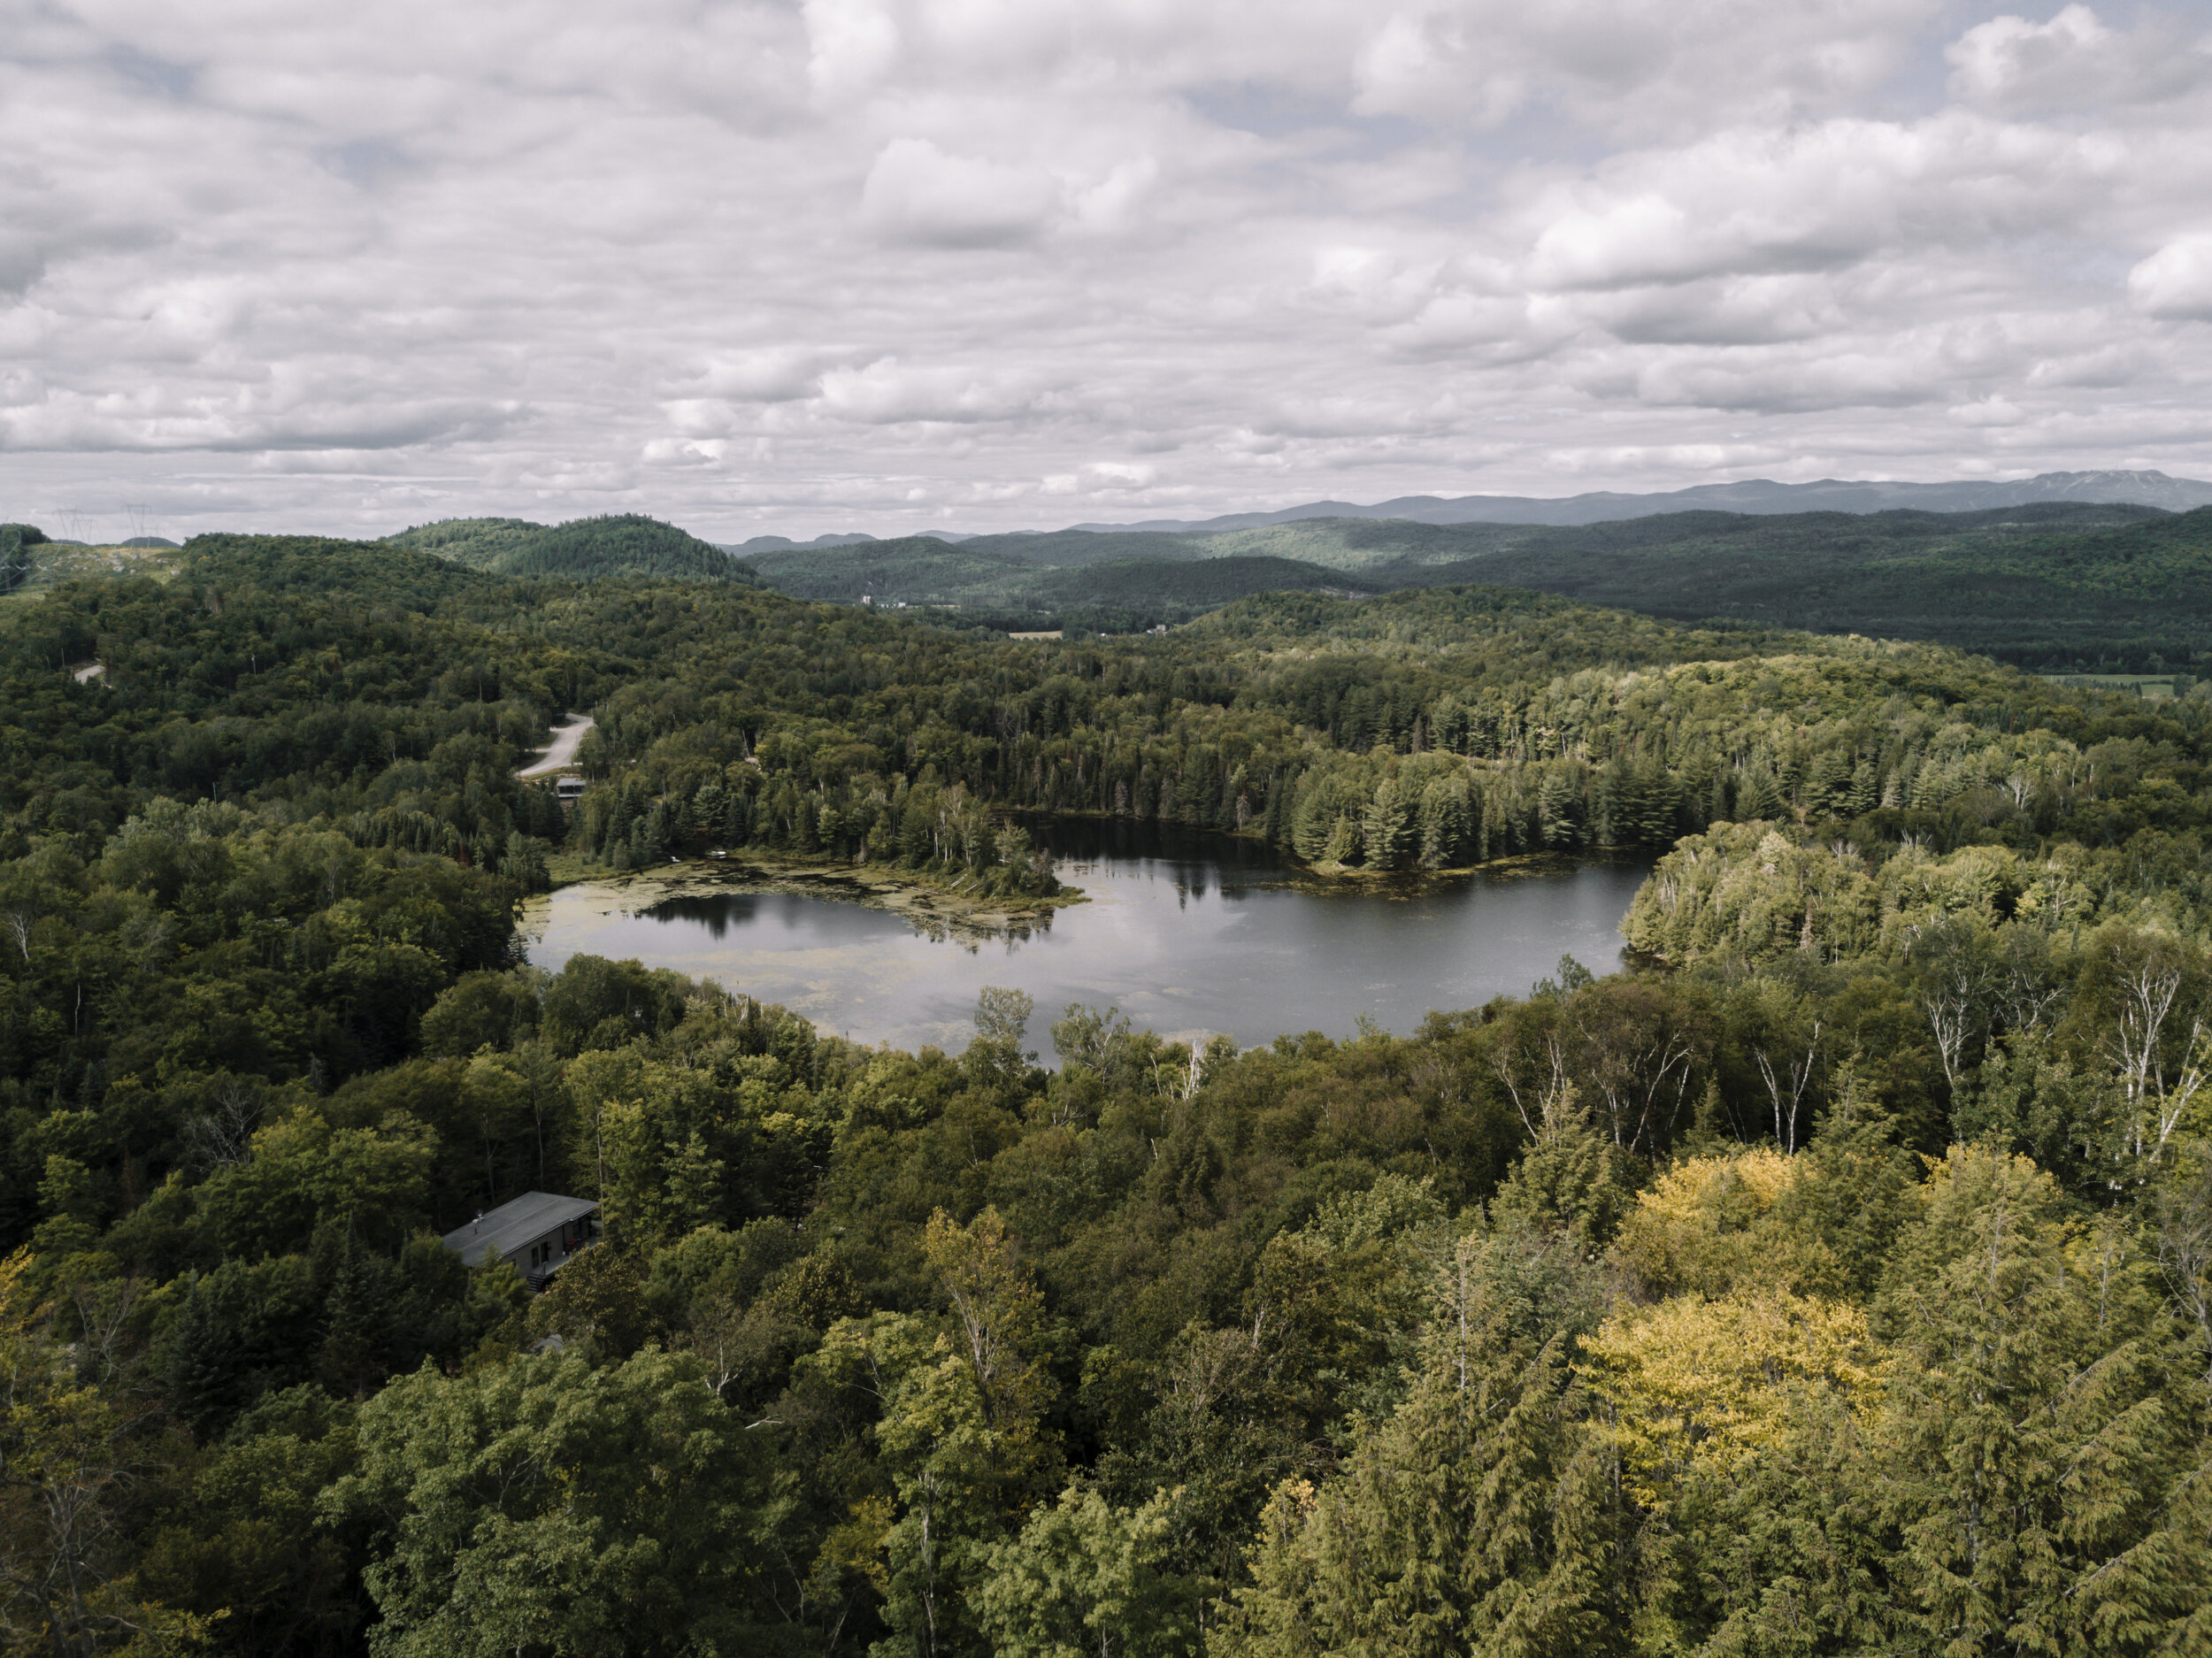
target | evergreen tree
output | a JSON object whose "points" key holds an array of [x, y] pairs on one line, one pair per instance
{"points": [[1389, 833], [205, 1389], [2042, 1458], [1484, 1516], [1654, 800], [1570, 1182], [357, 1325], [1084, 1577], [1558, 810], [1448, 824], [1343, 845], [1853, 1187]]}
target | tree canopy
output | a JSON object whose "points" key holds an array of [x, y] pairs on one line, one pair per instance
{"points": [[1836, 1279]]}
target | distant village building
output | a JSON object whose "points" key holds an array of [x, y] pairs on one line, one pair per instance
{"points": [[539, 1232], [568, 789]]}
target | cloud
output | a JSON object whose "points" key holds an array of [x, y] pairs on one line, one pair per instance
{"points": [[1781, 384], [1121, 475], [1116, 202], [1820, 197], [1418, 63], [886, 392], [878, 263], [853, 44], [1639, 68], [2175, 282], [248, 420], [2075, 61], [1730, 310], [1100, 480], [765, 373], [917, 193]]}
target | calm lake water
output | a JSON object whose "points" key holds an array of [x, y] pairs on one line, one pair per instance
{"points": [[1185, 934]]}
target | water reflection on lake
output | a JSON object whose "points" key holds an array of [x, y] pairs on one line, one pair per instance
{"points": [[1184, 933]]}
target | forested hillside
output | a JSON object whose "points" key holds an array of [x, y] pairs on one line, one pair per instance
{"points": [[2043, 586], [2055, 586], [1839, 1280], [622, 545], [997, 582]]}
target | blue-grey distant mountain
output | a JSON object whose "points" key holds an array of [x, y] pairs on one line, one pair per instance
{"points": [[2082, 586], [1755, 494]]}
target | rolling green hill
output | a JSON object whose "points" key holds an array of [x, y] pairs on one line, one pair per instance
{"points": [[1067, 549], [988, 576], [2046, 587], [1368, 543], [297, 566], [623, 544], [2056, 586], [1701, 536], [1155, 584], [917, 568]]}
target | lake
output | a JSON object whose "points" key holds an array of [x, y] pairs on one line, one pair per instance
{"points": [[1186, 933]]}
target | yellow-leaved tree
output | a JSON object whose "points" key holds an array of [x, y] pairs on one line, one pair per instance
{"points": [[1708, 1225], [1702, 1388]]}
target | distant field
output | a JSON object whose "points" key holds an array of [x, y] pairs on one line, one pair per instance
{"points": [[50, 564], [2152, 688]]}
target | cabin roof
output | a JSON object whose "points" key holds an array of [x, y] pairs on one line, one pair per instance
{"points": [[511, 1225]]}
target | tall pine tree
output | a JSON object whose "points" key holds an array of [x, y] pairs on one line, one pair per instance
{"points": [[1485, 1516], [2043, 1455]]}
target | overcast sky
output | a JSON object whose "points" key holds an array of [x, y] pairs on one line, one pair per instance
{"points": [[993, 264]]}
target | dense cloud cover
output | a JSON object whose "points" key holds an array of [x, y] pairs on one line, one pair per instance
{"points": [[884, 264]]}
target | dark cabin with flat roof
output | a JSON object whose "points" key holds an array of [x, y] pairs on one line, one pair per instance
{"points": [[539, 1232]]}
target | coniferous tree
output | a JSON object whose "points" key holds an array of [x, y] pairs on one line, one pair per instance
{"points": [[1389, 833], [1570, 1182], [1853, 1188], [1485, 1517], [203, 1364], [2042, 1455], [1084, 1576], [357, 1325]]}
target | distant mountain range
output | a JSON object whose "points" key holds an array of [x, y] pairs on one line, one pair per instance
{"points": [[2066, 584], [784, 544], [1755, 494]]}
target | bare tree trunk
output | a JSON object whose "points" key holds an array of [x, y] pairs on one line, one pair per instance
{"points": [[1800, 1075], [1950, 1013], [2148, 991]]}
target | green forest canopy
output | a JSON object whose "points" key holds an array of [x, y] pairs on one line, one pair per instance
{"points": [[2056, 586], [1838, 1280], [624, 544]]}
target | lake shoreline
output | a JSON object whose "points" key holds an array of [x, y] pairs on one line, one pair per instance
{"points": [[1177, 931], [931, 905], [1325, 877]]}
